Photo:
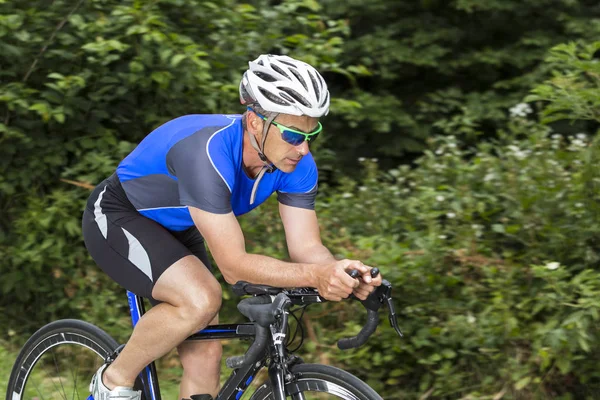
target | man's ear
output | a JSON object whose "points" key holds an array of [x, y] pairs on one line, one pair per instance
{"points": [[254, 124]]}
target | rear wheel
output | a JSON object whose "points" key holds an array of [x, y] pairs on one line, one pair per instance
{"points": [[313, 381], [58, 361]]}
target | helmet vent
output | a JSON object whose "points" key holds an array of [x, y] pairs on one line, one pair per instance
{"points": [[287, 63], [265, 77], [295, 95], [325, 100], [279, 70], [245, 95], [297, 75], [322, 81], [313, 80], [272, 97], [287, 97]]}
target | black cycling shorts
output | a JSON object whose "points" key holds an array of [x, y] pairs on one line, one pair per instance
{"points": [[132, 249]]}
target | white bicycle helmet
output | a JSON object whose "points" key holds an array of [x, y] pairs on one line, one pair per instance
{"points": [[282, 84]]}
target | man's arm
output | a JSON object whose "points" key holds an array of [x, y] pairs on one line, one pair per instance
{"points": [[304, 244], [303, 236], [225, 240]]}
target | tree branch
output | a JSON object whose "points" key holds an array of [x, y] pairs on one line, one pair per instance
{"points": [[43, 50], [49, 41]]}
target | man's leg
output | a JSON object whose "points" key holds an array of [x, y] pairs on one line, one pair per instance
{"points": [[201, 362], [191, 298]]}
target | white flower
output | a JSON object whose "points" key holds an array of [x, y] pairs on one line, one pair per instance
{"points": [[439, 151], [579, 205], [450, 215], [442, 237], [489, 177], [581, 136], [471, 319], [440, 198], [552, 265], [374, 159], [556, 136], [361, 159], [452, 145], [520, 110], [362, 188], [346, 195]]}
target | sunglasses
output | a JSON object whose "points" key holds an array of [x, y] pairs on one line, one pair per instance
{"points": [[293, 136]]}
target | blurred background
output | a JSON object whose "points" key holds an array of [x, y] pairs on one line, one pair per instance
{"points": [[460, 156]]}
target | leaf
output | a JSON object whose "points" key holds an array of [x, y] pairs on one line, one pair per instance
{"points": [[522, 383], [564, 364], [499, 228], [60, 117], [448, 353], [177, 59]]}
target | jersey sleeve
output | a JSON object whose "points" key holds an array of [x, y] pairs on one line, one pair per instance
{"points": [[299, 188], [199, 162]]}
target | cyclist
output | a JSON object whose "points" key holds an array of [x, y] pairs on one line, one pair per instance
{"points": [[184, 184]]}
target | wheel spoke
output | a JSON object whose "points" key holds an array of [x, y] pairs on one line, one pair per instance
{"points": [[58, 372], [75, 375], [37, 388]]}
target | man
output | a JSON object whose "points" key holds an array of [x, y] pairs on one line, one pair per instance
{"points": [[186, 182]]}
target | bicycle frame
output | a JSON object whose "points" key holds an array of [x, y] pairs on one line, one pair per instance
{"points": [[269, 336], [240, 378]]}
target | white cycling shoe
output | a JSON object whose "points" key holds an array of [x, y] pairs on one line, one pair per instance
{"points": [[101, 392]]}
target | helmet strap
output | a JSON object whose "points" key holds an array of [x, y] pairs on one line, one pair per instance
{"points": [[267, 167], [260, 149]]}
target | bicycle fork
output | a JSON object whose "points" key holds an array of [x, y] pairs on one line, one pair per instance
{"points": [[278, 371]]}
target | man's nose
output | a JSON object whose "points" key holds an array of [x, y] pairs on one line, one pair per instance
{"points": [[302, 148]]}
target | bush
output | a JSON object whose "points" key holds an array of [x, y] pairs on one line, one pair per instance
{"points": [[492, 253]]}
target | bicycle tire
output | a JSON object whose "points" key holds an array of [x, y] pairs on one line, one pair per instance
{"points": [[318, 379], [55, 334]]}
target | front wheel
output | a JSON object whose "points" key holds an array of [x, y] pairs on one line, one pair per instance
{"points": [[314, 381], [58, 361]]}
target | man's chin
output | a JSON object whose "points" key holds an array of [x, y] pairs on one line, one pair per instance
{"points": [[286, 167]]}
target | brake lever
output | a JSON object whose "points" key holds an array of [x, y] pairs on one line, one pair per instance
{"points": [[386, 296], [392, 316], [382, 294]]}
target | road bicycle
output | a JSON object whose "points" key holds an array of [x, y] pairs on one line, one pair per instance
{"points": [[58, 361]]}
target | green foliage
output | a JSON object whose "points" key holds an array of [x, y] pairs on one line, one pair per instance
{"points": [[451, 67], [574, 89], [493, 253], [492, 246], [81, 83]]}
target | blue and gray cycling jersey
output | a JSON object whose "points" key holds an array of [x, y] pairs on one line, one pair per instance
{"points": [[196, 160]]}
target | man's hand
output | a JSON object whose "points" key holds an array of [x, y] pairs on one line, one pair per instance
{"points": [[367, 284], [334, 283]]}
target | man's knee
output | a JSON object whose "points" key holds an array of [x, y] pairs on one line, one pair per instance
{"points": [[203, 306], [190, 287]]}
